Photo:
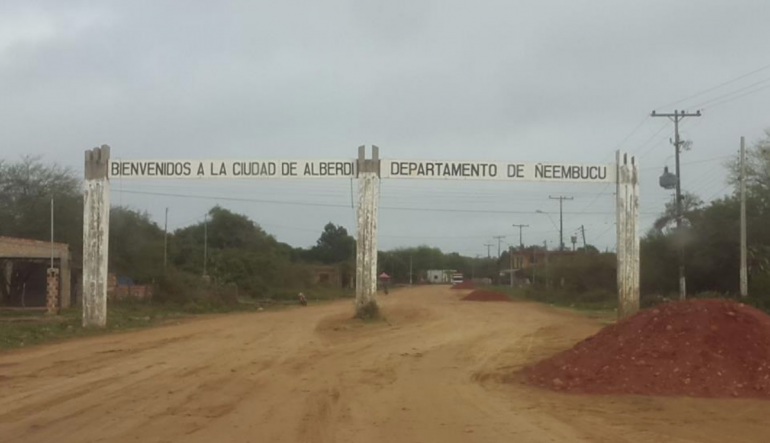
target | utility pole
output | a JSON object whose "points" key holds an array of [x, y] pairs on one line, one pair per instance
{"points": [[676, 117], [205, 243], [583, 230], [561, 199], [499, 243], [52, 232], [744, 266], [165, 242], [521, 247], [521, 236], [410, 269], [510, 256], [489, 245], [545, 253]]}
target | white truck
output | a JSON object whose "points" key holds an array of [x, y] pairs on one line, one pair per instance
{"points": [[440, 276]]}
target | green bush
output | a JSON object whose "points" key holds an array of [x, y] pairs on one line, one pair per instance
{"points": [[193, 292]]}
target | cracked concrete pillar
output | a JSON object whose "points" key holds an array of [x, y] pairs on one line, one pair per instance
{"points": [[627, 198], [96, 227], [366, 251]]}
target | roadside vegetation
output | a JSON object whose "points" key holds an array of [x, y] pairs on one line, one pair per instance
{"points": [[247, 268], [27, 327]]}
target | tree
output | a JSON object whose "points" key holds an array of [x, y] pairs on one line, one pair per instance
{"points": [[757, 167], [667, 220], [712, 236], [334, 245], [588, 249], [26, 189], [239, 253], [136, 245]]}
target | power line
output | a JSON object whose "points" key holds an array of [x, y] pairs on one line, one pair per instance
{"points": [[719, 192], [629, 134], [656, 144], [706, 160], [604, 232], [638, 148], [732, 92], [741, 77], [336, 205], [713, 105]]}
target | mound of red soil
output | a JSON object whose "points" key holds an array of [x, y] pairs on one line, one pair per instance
{"points": [[480, 295], [464, 285], [699, 348]]}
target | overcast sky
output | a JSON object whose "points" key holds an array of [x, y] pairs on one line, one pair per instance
{"points": [[527, 81]]}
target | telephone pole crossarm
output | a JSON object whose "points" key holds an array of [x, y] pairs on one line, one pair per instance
{"points": [[521, 235], [489, 245], [499, 239]]}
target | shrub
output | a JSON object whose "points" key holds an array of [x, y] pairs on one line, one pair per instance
{"points": [[193, 292]]}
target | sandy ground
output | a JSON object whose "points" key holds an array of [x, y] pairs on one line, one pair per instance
{"points": [[439, 370]]}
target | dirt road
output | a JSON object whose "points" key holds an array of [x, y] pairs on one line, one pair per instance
{"points": [[439, 370]]}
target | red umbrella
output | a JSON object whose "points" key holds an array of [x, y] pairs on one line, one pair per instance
{"points": [[384, 276]]}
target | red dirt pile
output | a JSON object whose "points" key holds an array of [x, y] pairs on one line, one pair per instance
{"points": [[698, 348], [480, 295], [464, 285]]}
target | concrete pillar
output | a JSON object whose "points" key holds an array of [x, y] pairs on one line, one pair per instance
{"points": [[96, 226], [366, 251], [627, 199], [64, 275], [52, 291]]}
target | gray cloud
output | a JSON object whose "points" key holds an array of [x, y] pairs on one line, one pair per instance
{"points": [[497, 80]]}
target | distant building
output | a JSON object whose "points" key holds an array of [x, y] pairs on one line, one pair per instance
{"points": [[326, 275], [439, 276], [524, 263], [24, 280], [534, 256], [122, 287]]}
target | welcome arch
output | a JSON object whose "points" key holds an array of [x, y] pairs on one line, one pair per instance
{"points": [[100, 168]]}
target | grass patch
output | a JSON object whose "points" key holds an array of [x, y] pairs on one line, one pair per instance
{"points": [[28, 327], [585, 301], [369, 312], [33, 328]]}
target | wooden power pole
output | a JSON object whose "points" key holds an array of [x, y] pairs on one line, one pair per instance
{"points": [[561, 199], [499, 239], [165, 242], [676, 117], [521, 235], [744, 259]]}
